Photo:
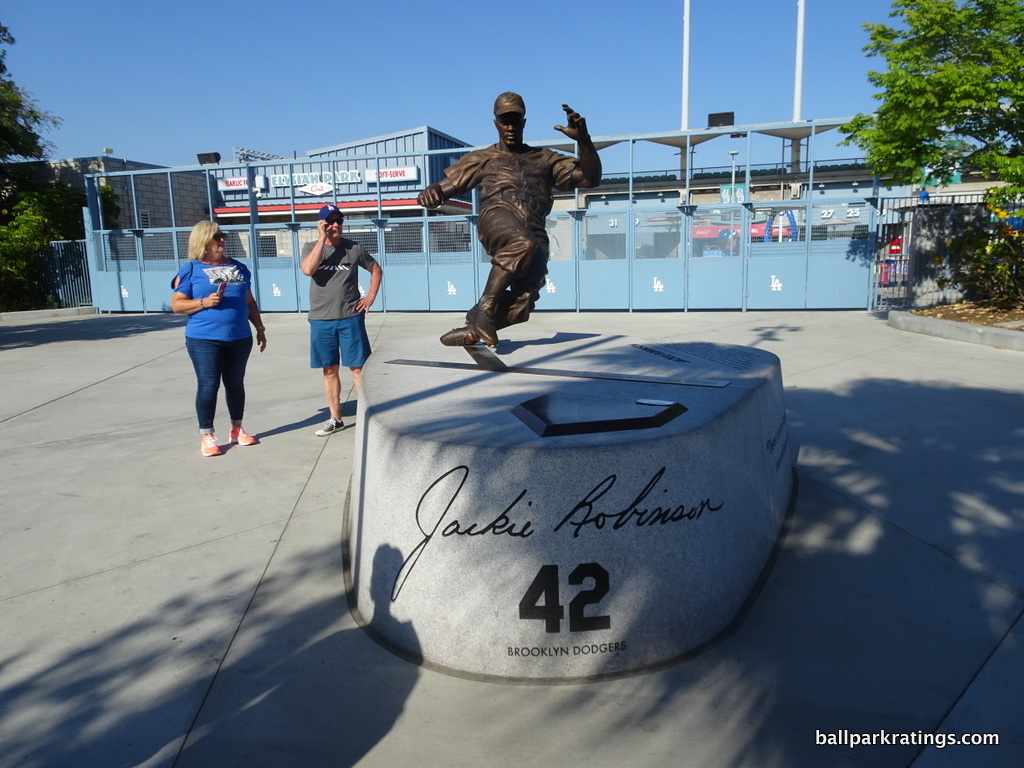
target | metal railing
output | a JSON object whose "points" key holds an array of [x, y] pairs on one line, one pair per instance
{"points": [[64, 269], [913, 254]]}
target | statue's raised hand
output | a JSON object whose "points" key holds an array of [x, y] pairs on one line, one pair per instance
{"points": [[577, 126]]}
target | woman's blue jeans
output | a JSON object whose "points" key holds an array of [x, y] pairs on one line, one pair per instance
{"points": [[217, 361]]}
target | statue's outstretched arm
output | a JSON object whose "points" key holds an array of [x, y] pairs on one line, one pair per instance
{"points": [[590, 162]]}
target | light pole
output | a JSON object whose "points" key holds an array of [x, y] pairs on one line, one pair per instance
{"points": [[732, 183], [686, 65]]}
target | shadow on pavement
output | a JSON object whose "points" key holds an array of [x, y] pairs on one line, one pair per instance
{"points": [[85, 328]]}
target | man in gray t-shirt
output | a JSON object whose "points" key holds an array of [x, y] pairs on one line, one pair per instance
{"points": [[337, 328]]}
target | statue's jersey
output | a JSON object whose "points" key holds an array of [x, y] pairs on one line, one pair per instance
{"points": [[519, 182]]}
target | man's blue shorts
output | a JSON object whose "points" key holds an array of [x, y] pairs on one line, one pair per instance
{"points": [[338, 342]]}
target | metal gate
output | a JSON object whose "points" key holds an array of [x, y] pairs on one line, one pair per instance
{"points": [[913, 235], [64, 269], [825, 253]]}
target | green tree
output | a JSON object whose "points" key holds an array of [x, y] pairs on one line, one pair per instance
{"points": [[21, 119], [987, 262], [952, 100], [952, 95], [111, 210], [53, 212], [31, 213]]}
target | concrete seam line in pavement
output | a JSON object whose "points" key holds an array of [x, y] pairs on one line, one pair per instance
{"points": [[93, 384], [967, 685], [132, 564], [248, 605]]}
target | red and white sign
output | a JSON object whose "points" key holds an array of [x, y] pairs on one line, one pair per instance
{"points": [[240, 183], [409, 173], [317, 188]]}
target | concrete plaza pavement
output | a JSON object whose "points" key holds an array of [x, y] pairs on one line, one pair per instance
{"points": [[158, 608]]}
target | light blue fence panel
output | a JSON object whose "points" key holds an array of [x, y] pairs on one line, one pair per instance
{"points": [[659, 276], [777, 275], [159, 266], [276, 279], [121, 290], [777, 269], [369, 236], [559, 291], [839, 273], [452, 276], [405, 267], [452, 284], [604, 266], [307, 236], [715, 268]]}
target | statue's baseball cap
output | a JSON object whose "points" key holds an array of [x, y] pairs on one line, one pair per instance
{"points": [[327, 210], [509, 102]]}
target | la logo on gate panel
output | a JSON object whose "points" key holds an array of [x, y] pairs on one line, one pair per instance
{"points": [[659, 286], [776, 283]]}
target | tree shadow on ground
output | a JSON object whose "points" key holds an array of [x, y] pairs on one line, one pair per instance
{"points": [[14, 335], [327, 703], [894, 585], [285, 694], [898, 579]]}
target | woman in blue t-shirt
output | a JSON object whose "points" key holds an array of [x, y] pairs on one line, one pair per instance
{"points": [[214, 292]]}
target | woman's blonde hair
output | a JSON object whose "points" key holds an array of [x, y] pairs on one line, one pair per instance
{"points": [[201, 234]]}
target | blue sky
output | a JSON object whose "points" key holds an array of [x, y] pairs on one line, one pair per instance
{"points": [[159, 82]]}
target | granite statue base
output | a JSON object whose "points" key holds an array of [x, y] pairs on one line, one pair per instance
{"points": [[565, 509]]}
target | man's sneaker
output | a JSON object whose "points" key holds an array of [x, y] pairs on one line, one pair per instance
{"points": [[330, 427], [208, 445], [240, 436]]}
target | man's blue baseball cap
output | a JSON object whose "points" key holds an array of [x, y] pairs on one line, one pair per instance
{"points": [[327, 210]]}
